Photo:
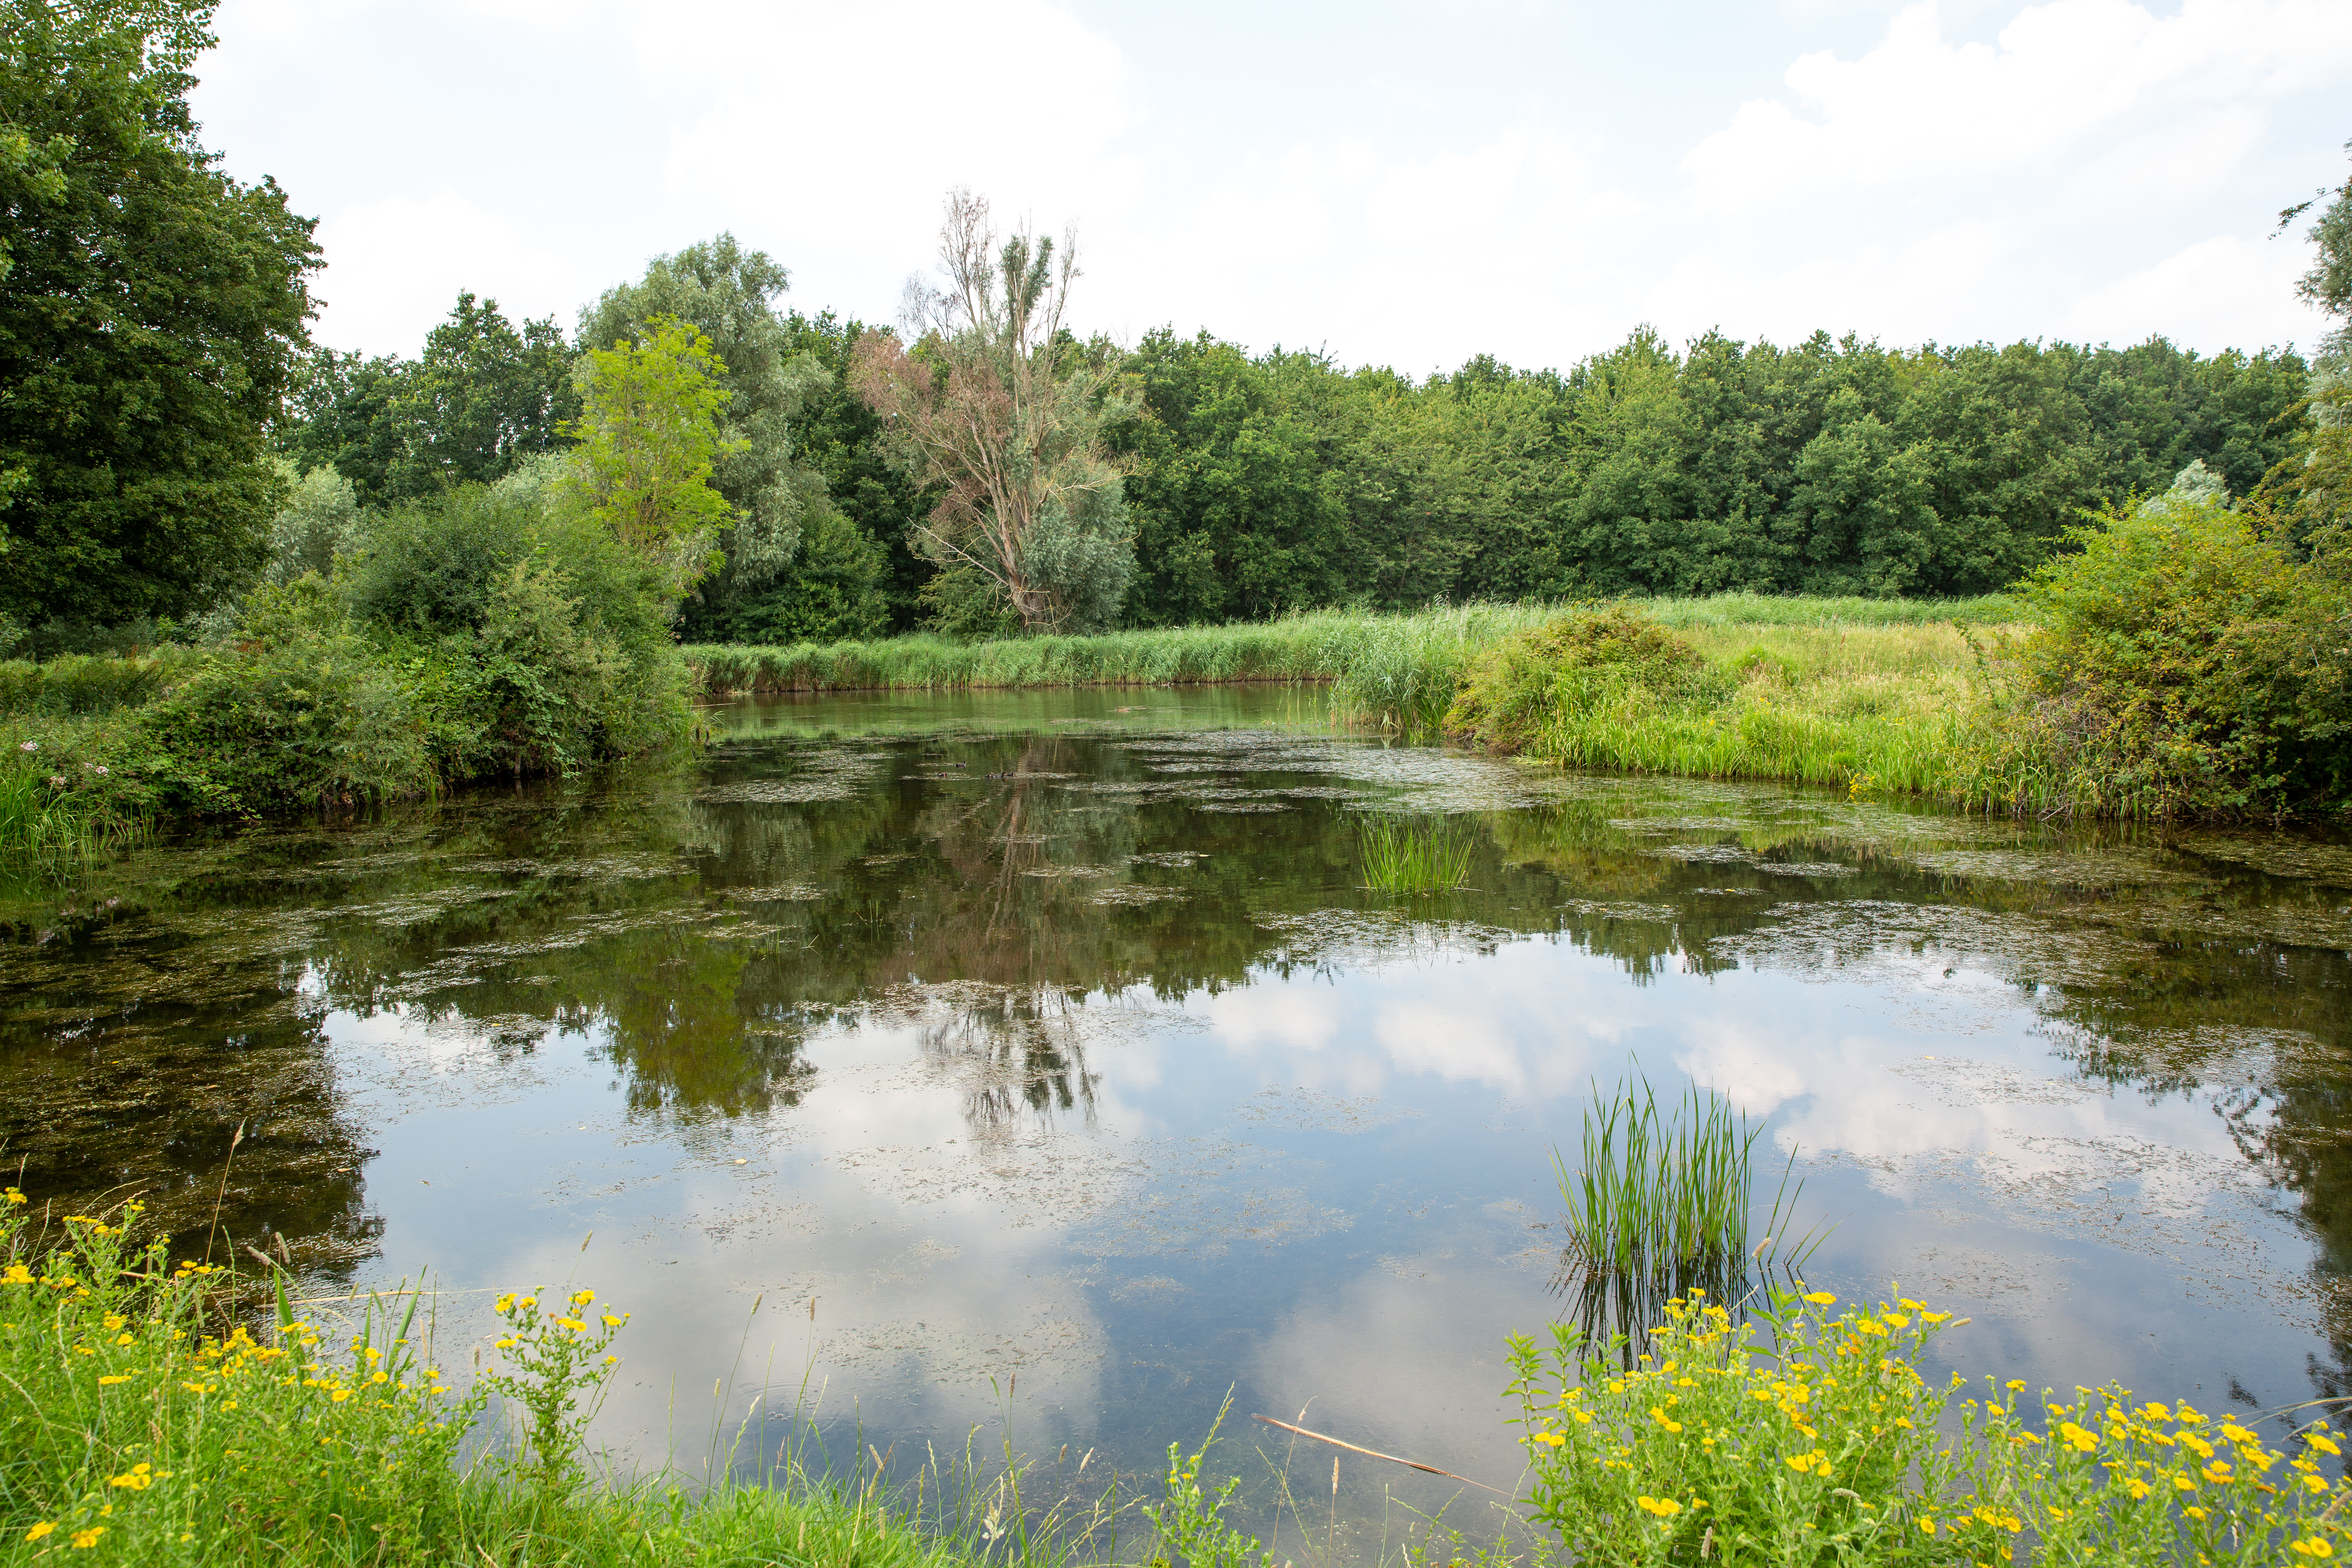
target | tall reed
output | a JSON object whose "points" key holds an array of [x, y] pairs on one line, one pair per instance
{"points": [[1400, 857], [1661, 1206]]}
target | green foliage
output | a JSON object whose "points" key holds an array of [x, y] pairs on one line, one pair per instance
{"points": [[2329, 284], [1571, 667], [1267, 484], [728, 294], [431, 567], [1187, 1523], [189, 1416], [831, 592], [138, 1413], [485, 397], [839, 435], [649, 435], [1659, 1193], [78, 684], [1237, 516], [300, 713], [320, 520], [2191, 659], [555, 1367], [1824, 1444], [1414, 858], [153, 311]]}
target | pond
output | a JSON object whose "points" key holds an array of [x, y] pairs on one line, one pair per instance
{"points": [[1040, 1063]]}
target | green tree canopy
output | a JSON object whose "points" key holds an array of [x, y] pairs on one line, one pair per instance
{"points": [[729, 294], [149, 316], [649, 444], [485, 396]]}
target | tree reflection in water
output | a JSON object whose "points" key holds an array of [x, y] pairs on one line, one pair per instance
{"points": [[699, 929]]}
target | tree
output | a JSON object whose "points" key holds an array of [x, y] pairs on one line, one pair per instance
{"points": [[1006, 412], [648, 443], [728, 293], [149, 318], [840, 435], [2322, 479], [483, 398]]}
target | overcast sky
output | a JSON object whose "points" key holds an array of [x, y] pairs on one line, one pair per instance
{"points": [[1400, 182]]}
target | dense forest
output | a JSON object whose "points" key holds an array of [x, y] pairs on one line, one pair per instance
{"points": [[1257, 484]]}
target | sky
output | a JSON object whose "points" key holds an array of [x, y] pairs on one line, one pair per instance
{"points": [[1405, 183]]}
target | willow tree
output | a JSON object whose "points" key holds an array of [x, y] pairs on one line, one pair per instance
{"points": [[998, 406]]}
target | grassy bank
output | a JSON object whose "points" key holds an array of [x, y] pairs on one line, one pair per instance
{"points": [[1869, 694], [186, 1415], [1399, 671]]}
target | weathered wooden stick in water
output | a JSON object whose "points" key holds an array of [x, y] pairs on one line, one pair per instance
{"points": [[1376, 1453]]}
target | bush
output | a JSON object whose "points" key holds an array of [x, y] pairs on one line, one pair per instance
{"points": [[304, 713], [1571, 667], [831, 592], [431, 567], [2191, 659]]}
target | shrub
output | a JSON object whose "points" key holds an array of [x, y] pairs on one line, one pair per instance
{"points": [[1573, 666], [302, 720], [2191, 658], [431, 567], [1822, 1446]]}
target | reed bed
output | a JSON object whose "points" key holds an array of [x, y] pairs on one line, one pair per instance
{"points": [[1400, 857], [1400, 670]]}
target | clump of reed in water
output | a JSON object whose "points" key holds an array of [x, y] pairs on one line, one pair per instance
{"points": [[1414, 858], [1661, 1206]]}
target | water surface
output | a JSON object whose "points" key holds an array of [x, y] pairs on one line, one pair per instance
{"points": [[1040, 1057]]}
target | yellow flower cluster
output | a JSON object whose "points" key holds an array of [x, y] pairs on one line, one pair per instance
{"points": [[1825, 1434]]}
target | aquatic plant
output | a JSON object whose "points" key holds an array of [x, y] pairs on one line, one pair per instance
{"points": [[1658, 1191], [1661, 1204], [1400, 857], [1819, 1442]]}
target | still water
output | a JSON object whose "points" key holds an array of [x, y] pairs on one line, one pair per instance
{"points": [[1038, 1062]]}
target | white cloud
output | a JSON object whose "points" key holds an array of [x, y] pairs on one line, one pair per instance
{"points": [[1920, 108], [395, 265], [2093, 168], [2217, 291]]}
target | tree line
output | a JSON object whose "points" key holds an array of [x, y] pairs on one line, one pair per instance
{"points": [[169, 437], [1252, 484]]}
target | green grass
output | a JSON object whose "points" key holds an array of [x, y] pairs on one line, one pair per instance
{"points": [[1867, 695], [1400, 857], [192, 1416], [1394, 669]]}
